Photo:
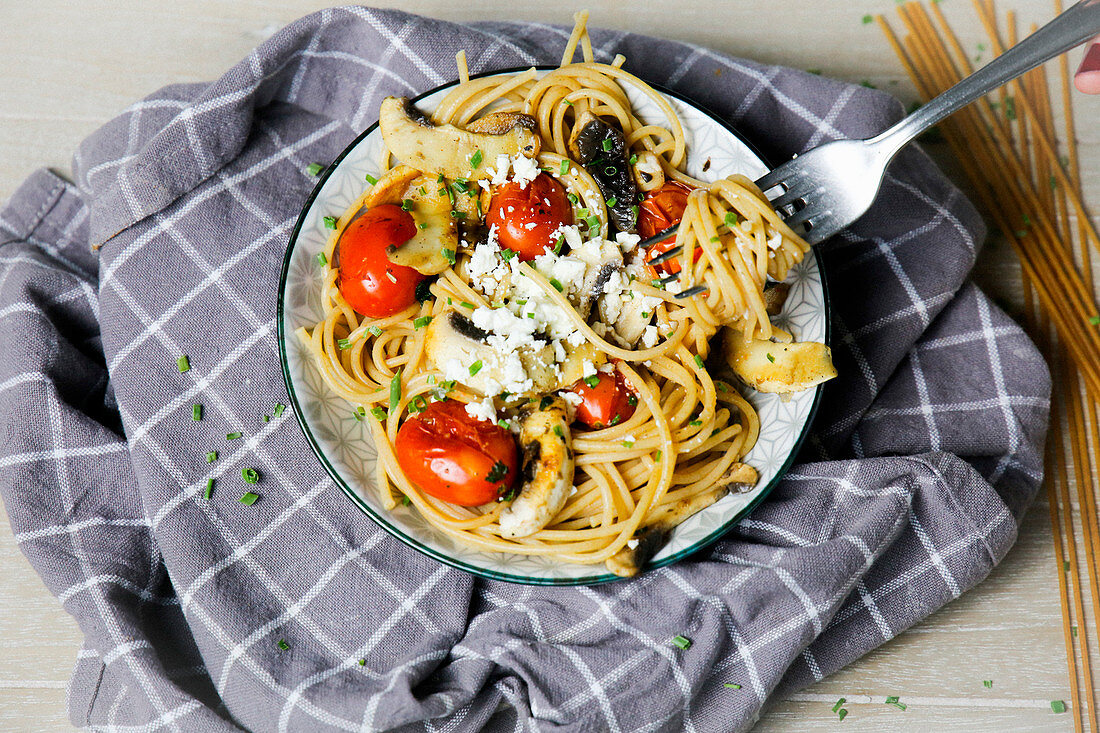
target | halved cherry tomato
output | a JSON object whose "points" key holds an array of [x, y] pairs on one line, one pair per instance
{"points": [[371, 284], [455, 457], [609, 402], [659, 210], [526, 218]]}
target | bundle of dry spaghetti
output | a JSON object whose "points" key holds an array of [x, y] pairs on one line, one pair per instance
{"points": [[1009, 147]]}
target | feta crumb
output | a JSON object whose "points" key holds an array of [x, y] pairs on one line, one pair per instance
{"points": [[454, 371], [626, 241], [588, 369], [482, 410], [572, 398], [649, 337], [632, 543], [524, 170]]}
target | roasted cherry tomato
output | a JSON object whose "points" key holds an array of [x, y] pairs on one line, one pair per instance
{"points": [[371, 284], [609, 402], [526, 218], [662, 208], [455, 457]]}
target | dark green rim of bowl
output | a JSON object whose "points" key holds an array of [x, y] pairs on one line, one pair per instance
{"points": [[395, 531]]}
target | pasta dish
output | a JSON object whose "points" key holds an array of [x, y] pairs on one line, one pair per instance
{"points": [[541, 372]]}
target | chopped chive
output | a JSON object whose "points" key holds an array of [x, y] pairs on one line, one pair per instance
{"points": [[196, 412], [475, 367], [770, 358], [681, 641], [267, 418], [314, 169], [467, 304], [559, 432], [283, 645], [633, 159], [407, 204], [371, 179], [343, 343], [731, 219], [607, 144], [893, 700], [250, 475], [418, 404], [1058, 706], [559, 244], [448, 254], [405, 501], [634, 212], [321, 259], [839, 704], [183, 364], [695, 423], [476, 158], [631, 399], [610, 170], [612, 201], [378, 412], [330, 222], [249, 498], [658, 455], [507, 254], [731, 685], [458, 215], [395, 390], [211, 456], [628, 444], [583, 213], [572, 198], [375, 331], [592, 381], [232, 436], [363, 662], [279, 407], [421, 322], [564, 167], [988, 684], [1095, 320], [567, 102], [209, 489], [842, 714], [867, 19], [423, 225], [557, 285], [698, 361]]}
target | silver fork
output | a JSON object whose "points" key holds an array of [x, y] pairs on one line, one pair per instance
{"points": [[836, 183]]}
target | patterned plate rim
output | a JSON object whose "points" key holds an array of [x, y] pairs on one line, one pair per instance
{"points": [[395, 531]]}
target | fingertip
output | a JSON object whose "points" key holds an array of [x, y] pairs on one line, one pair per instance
{"points": [[1087, 82]]}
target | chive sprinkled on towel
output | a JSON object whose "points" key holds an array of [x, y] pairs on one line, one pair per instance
{"points": [[211, 456], [250, 475], [279, 407], [681, 641], [183, 364], [196, 412], [731, 685], [232, 436], [839, 704], [893, 700], [1058, 706], [249, 498], [314, 169], [209, 488], [988, 684], [283, 645]]}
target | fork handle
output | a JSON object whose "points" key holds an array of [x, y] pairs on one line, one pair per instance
{"points": [[1072, 28]]}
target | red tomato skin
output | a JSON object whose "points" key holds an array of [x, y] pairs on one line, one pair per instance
{"points": [[542, 202], [362, 278], [660, 209], [600, 404], [449, 454]]}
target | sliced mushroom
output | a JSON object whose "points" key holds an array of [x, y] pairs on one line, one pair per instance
{"points": [[634, 316], [601, 149], [547, 470], [767, 366], [436, 228], [499, 123], [775, 295], [602, 265], [449, 150], [391, 187], [652, 536], [648, 173]]}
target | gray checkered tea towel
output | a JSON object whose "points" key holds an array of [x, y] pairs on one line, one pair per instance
{"points": [[298, 612]]}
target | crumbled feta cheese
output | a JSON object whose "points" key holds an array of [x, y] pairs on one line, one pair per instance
{"points": [[627, 242], [530, 225], [575, 338], [482, 410], [775, 241], [632, 543], [649, 337], [454, 370], [607, 367], [500, 174], [588, 369], [524, 170], [572, 398]]}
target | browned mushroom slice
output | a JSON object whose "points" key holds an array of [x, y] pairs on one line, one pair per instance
{"points": [[775, 295], [446, 149], [767, 366], [547, 470], [601, 148]]}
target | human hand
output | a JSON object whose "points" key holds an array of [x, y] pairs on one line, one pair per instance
{"points": [[1087, 78]]}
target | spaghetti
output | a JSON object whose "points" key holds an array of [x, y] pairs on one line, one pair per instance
{"points": [[681, 448]]}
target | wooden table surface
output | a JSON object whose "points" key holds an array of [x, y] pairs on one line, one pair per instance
{"points": [[68, 67]]}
